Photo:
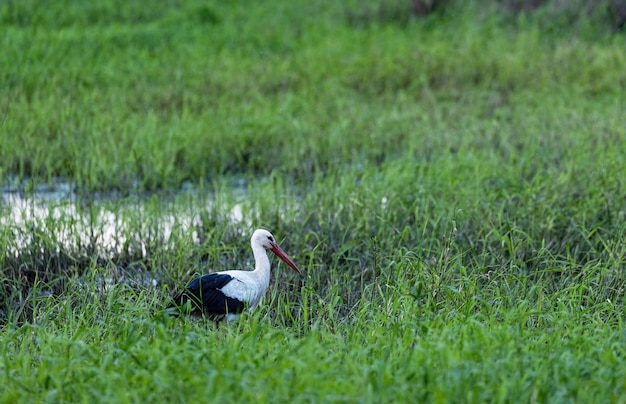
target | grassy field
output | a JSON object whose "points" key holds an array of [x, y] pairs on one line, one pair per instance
{"points": [[452, 186]]}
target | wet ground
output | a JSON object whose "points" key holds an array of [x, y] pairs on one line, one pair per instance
{"points": [[49, 229], [74, 221]]}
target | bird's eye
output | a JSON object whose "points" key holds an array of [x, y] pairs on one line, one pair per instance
{"points": [[270, 238]]}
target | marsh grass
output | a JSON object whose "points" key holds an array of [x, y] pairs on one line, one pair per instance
{"points": [[451, 187], [142, 100], [449, 343]]}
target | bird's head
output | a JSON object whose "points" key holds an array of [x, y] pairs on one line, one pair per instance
{"points": [[265, 239]]}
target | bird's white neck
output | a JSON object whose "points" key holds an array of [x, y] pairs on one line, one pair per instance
{"points": [[262, 264]]}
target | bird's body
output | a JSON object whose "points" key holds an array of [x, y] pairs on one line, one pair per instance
{"points": [[226, 294]]}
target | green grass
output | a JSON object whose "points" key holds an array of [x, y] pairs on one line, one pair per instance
{"points": [[451, 186], [126, 96]]}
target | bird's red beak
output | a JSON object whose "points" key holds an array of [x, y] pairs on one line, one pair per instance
{"points": [[281, 254]]}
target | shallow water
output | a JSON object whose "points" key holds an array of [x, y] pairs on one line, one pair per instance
{"points": [[110, 224], [59, 208]]}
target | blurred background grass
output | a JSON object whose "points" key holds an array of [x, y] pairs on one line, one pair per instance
{"points": [[123, 96]]}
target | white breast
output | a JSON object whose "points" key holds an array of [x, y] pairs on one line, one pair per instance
{"points": [[245, 287]]}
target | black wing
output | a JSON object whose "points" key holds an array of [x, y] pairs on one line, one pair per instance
{"points": [[205, 296]]}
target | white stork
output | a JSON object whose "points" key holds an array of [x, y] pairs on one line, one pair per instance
{"points": [[226, 294]]}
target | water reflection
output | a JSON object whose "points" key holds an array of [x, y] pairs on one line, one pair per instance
{"points": [[111, 224]]}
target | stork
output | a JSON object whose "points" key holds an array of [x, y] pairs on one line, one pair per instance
{"points": [[226, 294]]}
